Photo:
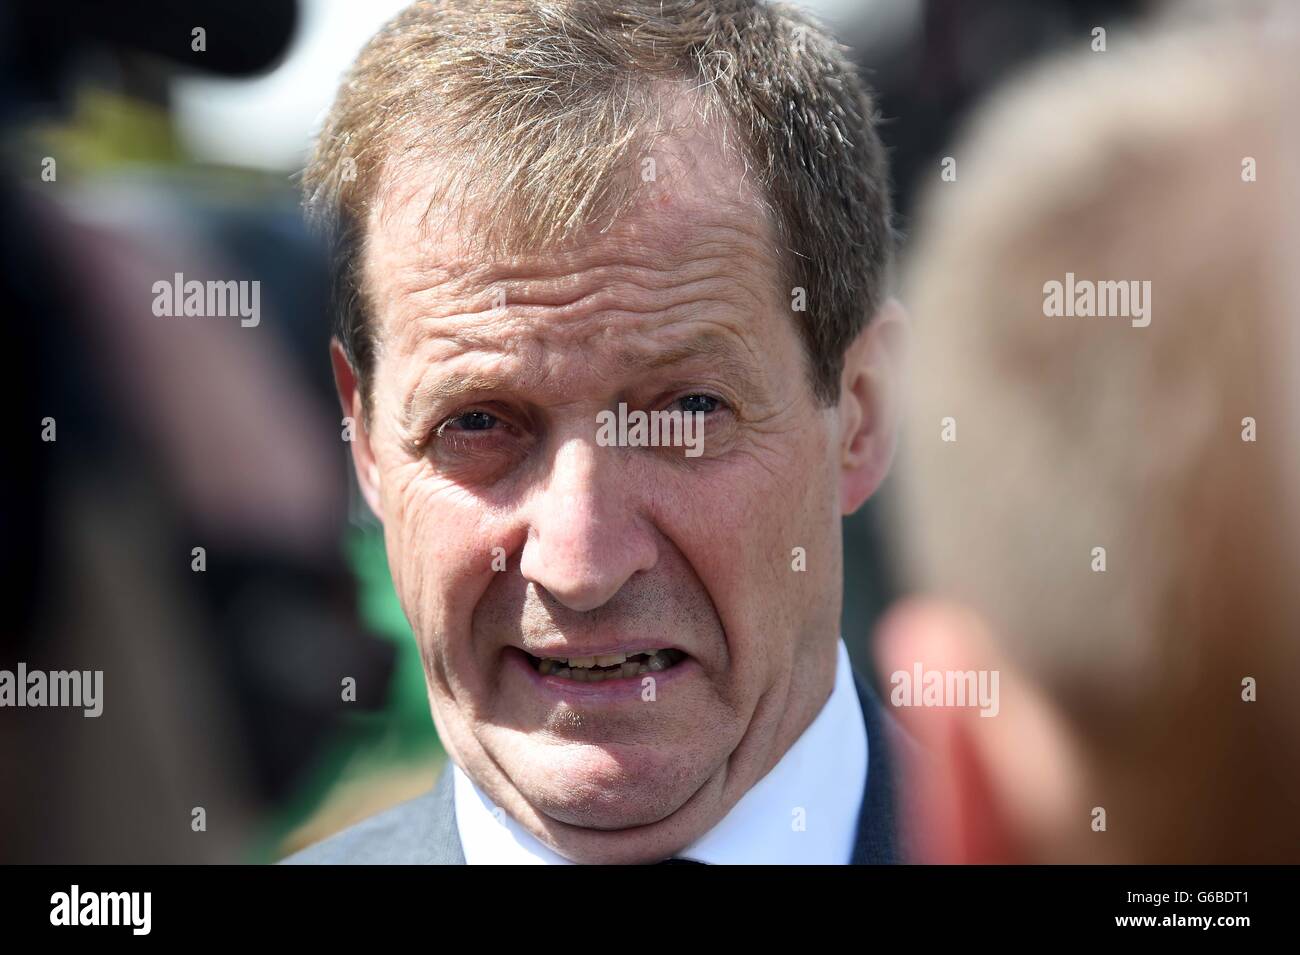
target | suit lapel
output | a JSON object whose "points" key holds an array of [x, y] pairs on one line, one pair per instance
{"points": [[877, 838], [443, 838]]}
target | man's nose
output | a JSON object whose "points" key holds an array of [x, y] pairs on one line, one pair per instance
{"points": [[585, 539]]}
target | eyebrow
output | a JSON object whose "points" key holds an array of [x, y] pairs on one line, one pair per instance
{"points": [[713, 346]]}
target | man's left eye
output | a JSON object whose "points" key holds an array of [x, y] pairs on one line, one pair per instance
{"points": [[704, 403]]}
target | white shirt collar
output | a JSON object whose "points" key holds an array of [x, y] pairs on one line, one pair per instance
{"points": [[804, 812]]}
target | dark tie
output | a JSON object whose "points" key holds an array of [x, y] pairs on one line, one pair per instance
{"points": [[681, 862]]}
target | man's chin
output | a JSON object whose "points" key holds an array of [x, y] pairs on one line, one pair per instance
{"points": [[608, 789], [620, 834]]}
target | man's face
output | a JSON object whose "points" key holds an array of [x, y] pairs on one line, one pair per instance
{"points": [[514, 537]]}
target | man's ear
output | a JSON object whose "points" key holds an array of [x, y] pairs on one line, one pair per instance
{"points": [[869, 402], [351, 400], [1001, 788]]}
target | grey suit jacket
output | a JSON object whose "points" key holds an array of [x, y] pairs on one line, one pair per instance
{"points": [[422, 831]]}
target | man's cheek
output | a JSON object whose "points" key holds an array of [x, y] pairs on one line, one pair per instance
{"points": [[452, 553], [420, 536], [403, 522], [764, 546], [740, 555], [764, 570]]}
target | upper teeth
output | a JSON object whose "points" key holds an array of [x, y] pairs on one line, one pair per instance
{"points": [[586, 663], [610, 666]]}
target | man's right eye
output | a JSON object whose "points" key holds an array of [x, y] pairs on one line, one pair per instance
{"points": [[477, 445], [470, 421]]}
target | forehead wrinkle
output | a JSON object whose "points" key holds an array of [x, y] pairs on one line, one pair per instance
{"points": [[717, 347], [715, 343], [565, 303], [623, 294], [573, 327], [673, 231]]}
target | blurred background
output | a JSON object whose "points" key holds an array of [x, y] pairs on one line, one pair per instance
{"points": [[192, 528]]}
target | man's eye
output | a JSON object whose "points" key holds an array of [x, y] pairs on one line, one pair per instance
{"points": [[704, 403], [470, 421]]}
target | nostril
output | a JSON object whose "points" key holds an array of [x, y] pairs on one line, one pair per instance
{"points": [[581, 592], [583, 558]]}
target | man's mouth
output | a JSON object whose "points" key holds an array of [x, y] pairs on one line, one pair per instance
{"points": [[614, 666]]}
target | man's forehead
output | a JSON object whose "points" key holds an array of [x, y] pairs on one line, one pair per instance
{"points": [[617, 300], [653, 270]]}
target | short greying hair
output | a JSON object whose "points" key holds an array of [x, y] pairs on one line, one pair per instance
{"points": [[543, 107]]}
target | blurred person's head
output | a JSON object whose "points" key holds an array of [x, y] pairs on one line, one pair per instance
{"points": [[543, 212], [1102, 510]]}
